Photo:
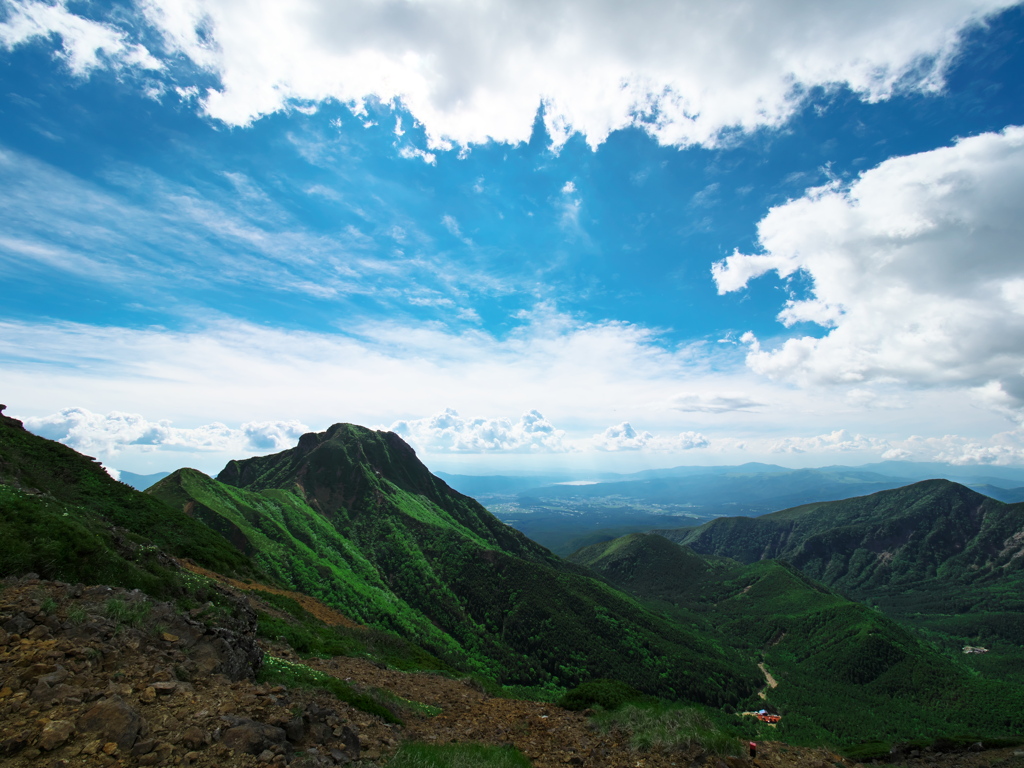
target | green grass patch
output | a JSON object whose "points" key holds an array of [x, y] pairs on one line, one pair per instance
{"points": [[277, 671], [396, 703], [663, 726], [133, 614], [416, 755], [869, 750]]}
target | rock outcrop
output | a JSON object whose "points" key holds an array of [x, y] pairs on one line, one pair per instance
{"points": [[98, 676]]}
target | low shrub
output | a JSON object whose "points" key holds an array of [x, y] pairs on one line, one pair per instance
{"points": [[663, 726], [416, 755], [869, 750], [277, 671], [607, 694]]}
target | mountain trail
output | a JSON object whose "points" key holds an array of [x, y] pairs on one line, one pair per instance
{"points": [[772, 682]]}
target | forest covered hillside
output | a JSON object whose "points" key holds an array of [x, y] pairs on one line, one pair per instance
{"points": [[65, 518], [935, 555], [840, 668]]}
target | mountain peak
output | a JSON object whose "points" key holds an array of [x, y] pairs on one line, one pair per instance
{"points": [[330, 467]]}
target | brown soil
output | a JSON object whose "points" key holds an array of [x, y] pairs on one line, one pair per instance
{"points": [[323, 612]]}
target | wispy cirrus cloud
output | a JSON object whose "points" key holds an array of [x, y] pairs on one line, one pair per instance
{"points": [[692, 402], [141, 230]]}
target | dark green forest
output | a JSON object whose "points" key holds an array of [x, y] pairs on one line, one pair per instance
{"points": [[846, 672], [935, 556]]}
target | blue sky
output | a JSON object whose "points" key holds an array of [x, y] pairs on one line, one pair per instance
{"points": [[564, 235]]}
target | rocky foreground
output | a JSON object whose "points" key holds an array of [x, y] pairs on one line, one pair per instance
{"points": [[94, 676]]}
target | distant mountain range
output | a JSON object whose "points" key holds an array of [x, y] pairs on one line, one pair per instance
{"points": [[141, 482], [564, 513], [841, 665]]}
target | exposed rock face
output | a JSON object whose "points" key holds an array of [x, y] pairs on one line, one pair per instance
{"points": [[94, 676]]}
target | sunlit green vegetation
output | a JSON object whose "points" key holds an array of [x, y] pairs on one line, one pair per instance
{"points": [[354, 519], [65, 518]]}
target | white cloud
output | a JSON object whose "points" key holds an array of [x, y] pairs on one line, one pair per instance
{"points": [[623, 437], [148, 232], [449, 432], [840, 440], [241, 372], [917, 269], [581, 376], [85, 44], [473, 72], [1004, 448], [452, 225], [413, 153], [273, 435], [112, 433], [691, 402]]}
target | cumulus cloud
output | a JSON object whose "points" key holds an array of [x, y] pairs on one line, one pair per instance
{"points": [[840, 440], [683, 72], [917, 272], [449, 432], [1005, 448], [111, 433], [623, 437]]}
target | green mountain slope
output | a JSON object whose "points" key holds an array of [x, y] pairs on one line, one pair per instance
{"points": [[845, 672], [901, 536], [64, 517], [352, 517], [934, 554]]}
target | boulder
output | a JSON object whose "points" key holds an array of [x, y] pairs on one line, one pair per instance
{"points": [[55, 733], [114, 719], [252, 737]]}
